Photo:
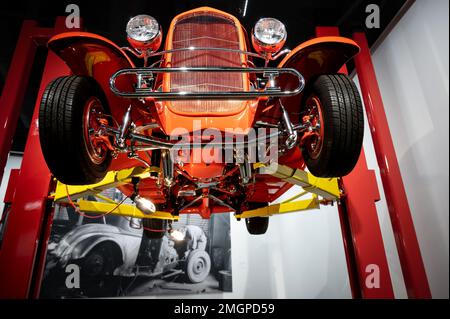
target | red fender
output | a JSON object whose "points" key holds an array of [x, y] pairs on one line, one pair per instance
{"points": [[323, 55], [93, 55]]}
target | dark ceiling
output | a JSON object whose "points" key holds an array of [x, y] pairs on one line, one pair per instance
{"points": [[108, 18]]}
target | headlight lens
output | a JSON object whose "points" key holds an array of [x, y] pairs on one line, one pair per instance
{"points": [[270, 31], [142, 28]]}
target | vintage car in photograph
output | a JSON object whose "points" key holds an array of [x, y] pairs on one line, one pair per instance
{"points": [[171, 108], [109, 250]]}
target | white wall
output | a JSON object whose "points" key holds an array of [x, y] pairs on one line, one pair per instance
{"points": [[413, 73], [302, 254]]}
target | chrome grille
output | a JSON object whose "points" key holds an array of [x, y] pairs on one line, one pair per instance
{"points": [[209, 30]]}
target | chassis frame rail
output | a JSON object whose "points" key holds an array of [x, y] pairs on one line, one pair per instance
{"points": [[151, 142]]}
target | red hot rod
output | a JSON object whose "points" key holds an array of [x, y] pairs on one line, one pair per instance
{"points": [[198, 110]]}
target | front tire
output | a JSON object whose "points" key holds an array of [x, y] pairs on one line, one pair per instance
{"points": [[334, 110], [68, 117]]}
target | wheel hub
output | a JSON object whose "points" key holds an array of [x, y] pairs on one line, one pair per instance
{"points": [[93, 118], [199, 266], [312, 140]]}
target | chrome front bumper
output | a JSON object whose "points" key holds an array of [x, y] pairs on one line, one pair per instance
{"points": [[145, 78]]}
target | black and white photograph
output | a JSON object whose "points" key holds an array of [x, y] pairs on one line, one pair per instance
{"points": [[114, 256]]}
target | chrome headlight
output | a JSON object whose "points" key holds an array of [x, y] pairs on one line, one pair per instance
{"points": [[144, 32], [269, 35]]}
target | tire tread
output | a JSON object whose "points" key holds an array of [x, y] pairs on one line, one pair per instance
{"points": [[344, 126], [60, 130]]}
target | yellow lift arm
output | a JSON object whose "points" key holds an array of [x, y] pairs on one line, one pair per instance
{"points": [[112, 179], [326, 188], [123, 210]]}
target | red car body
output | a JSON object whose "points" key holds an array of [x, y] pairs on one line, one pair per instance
{"points": [[91, 55]]}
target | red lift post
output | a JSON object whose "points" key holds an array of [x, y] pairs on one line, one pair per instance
{"points": [[361, 233], [11, 102], [24, 245], [413, 269]]}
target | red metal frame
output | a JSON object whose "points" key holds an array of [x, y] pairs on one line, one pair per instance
{"points": [[361, 233], [11, 102], [405, 235], [22, 254], [24, 245]]}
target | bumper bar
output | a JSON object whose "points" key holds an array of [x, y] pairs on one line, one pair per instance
{"points": [[145, 78]]}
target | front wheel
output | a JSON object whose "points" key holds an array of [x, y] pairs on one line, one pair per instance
{"points": [[334, 112], [71, 112]]}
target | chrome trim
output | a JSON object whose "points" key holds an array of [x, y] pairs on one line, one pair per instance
{"points": [[168, 168], [279, 54], [245, 170], [126, 122], [152, 143], [266, 57], [146, 75], [186, 193], [133, 51], [262, 42], [252, 54], [265, 49], [292, 138], [148, 40]]}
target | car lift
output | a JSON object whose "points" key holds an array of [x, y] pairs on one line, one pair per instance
{"points": [[28, 213], [327, 188]]}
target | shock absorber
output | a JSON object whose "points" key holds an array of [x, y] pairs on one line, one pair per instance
{"points": [[292, 138], [167, 167], [126, 122], [245, 168]]}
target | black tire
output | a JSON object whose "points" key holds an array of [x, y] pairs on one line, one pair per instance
{"points": [[343, 126], [257, 225], [154, 228], [97, 271], [61, 130], [198, 266]]}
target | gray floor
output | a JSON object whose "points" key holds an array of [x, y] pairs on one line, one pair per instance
{"points": [[176, 286]]}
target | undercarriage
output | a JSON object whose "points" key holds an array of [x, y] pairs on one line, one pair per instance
{"points": [[199, 174]]}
